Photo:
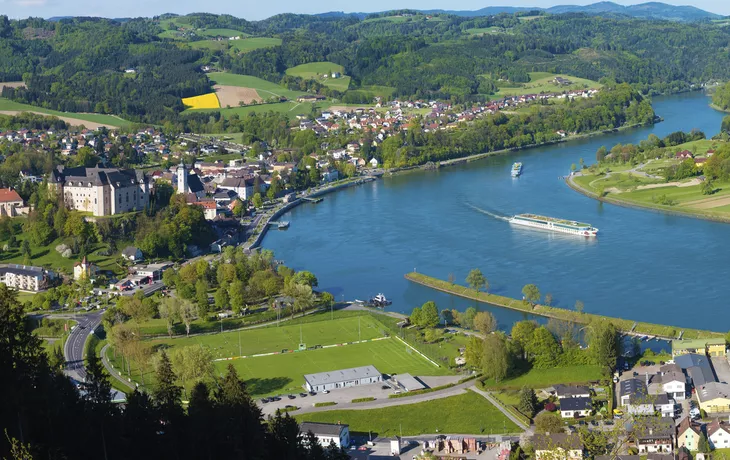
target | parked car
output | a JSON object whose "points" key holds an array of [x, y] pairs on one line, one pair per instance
{"points": [[385, 387], [291, 397], [303, 395], [608, 422], [275, 398], [618, 413], [265, 400], [312, 393], [326, 392]]}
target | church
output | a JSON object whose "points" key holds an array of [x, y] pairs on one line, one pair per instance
{"points": [[189, 183]]}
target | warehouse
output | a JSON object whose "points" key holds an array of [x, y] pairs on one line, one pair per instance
{"points": [[343, 378]]}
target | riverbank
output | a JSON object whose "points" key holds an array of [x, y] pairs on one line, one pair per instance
{"points": [[625, 325], [694, 213], [719, 109], [263, 226]]}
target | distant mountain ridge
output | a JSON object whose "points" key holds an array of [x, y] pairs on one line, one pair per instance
{"points": [[649, 10]]}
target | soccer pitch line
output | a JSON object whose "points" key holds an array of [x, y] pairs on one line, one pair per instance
{"points": [[232, 358]]}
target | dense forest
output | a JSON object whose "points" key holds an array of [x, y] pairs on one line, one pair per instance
{"points": [[721, 97], [43, 414], [79, 64]]}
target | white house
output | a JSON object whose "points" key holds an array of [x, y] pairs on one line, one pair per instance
{"points": [[655, 435], [327, 433], [132, 254], [718, 433], [557, 445], [374, 162], [673, 383], [633, 396], [575, 407], [664, 405]]}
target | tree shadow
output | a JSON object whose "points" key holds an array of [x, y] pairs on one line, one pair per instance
{"points": [[40, 253], [258, 386]]}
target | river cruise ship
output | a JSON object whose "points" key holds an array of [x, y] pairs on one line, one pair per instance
{"points": [[553, 224], [516, 169]]}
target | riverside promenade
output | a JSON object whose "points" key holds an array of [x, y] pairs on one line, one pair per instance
{"points": [[624, 325]]}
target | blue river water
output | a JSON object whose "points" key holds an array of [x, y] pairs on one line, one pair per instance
{"points": [[644, 265]]}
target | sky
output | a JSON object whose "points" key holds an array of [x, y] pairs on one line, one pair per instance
{"points": [[257, 9]]}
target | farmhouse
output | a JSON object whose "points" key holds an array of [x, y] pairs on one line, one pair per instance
{"points": [[25, 277], [343, 378], [328, 432], [310, 98]]}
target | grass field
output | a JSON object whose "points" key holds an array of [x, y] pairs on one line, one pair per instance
{"points": [[485, 30], [540, 378], [264, 88], [468, 413], [274, 339], [291, 109], [374, 90], [249, 44], [221, 33], [316, 70], [110, 120], [205, 101], [542, 82], [284, 373]]}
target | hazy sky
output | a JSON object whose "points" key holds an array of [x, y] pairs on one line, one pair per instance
{"points": [[258, 9]]}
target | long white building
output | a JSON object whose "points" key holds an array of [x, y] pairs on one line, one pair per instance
{"points": [[342, 378], [25, 277]]}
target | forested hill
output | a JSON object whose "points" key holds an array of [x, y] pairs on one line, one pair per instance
{"points": [[141, 68]]}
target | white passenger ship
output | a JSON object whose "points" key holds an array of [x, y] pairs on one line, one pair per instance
{"points": [[553, 224]]}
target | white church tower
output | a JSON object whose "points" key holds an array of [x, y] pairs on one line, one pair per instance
{"points": [[182, 178]]}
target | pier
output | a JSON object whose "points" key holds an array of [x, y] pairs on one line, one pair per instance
{"points": [[311, 200]]}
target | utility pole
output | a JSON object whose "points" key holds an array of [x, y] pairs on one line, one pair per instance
{"points": [[359, 332], [240, 353]]}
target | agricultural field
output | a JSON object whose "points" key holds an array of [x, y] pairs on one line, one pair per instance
{"points": [[317, 70], [285, 372], [205, 101], [90, 120], [264, 88], [221, 33], [542, 82], [291, 109], [468, 413], [276, 339], [253, 43]]}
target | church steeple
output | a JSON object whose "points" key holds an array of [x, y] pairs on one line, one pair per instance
{"points": [[182, 178]]}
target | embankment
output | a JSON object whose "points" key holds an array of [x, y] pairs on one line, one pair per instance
{"points": [[625, 325], [289, 206]]}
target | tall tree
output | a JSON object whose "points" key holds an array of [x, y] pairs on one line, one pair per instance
{"points": [[167, 394], [531, 294], [528, 401], [485, 322], [429, 314], [604, 345], [476, 280], [496, 358]]}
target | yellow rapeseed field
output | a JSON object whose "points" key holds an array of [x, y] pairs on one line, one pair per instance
{"points": [[205, 101]]}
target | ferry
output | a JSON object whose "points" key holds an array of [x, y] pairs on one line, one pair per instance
{"points": [[516, 169], [553, 224], [380, 301]]}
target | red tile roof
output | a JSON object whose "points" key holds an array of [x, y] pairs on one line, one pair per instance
{"points": [[8, 195]]}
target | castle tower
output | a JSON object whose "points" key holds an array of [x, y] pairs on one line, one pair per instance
{"points": [[182, 178]]}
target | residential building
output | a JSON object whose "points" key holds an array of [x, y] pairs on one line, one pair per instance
{"points": [[25, 277], [244, 187], [673, 383], [327, 433], [132, 254], [558, 445], [663, 405], [575, 407], [718, 433], [633, 395], [342, 378], [697, 367], [572, 391], [714, 397], [710, 347], [688, 434], [654, 435], [11, 204], [101, 191], [85, 270]]}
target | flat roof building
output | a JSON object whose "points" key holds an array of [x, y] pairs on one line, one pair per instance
{"points": [[342, 378], [408, 382], [327, 433], [712, 346], [25, 277]]}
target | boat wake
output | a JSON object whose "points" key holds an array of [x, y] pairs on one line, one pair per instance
{"points": [[488, 213]]}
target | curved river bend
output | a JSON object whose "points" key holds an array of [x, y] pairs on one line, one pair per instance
{"points": [[644, 265]]}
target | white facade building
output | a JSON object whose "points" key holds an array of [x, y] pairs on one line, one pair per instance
{"points": [[343, 378], [25, 277], [327, 433]]}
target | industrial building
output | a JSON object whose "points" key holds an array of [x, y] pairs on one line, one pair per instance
{"points": [[343, 378]]}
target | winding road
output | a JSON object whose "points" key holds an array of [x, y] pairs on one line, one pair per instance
{"points": [[73, 349]]}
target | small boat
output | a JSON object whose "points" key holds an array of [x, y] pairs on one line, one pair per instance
{"points": [[379, 301], [516, 169], [283, 225]]}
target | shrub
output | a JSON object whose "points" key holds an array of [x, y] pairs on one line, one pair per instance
{"points": [[357, 400], [551, 407], [324, 404]]}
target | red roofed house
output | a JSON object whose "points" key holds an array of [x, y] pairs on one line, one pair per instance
{"points": [[11, 203]]}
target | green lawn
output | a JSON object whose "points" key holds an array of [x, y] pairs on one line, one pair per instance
{"points": [[249, 44], [274, 339], [221, 33], [540, 378], [265, 88], [112, 120], [468, 413], [371, 91], [213, 45], [541, 82], [316, 70], [284, 373]]}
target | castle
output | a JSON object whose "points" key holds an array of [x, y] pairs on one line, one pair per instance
{"points": [[102, 191]]}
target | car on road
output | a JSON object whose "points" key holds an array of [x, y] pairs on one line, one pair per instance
{"points": [[289, 407], [608, 422], [385, 387]]}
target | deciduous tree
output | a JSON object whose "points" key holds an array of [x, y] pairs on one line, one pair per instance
{"points": [[485, 322], [531, 294], [476, 280]]}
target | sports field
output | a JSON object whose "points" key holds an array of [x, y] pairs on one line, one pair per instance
{"points": [[316, 70], [284, 373], [274, 339], [468, 413]]}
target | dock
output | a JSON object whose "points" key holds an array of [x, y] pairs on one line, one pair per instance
{"points": [[311, 200]]}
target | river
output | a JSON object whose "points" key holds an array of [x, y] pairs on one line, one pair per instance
{"points": [[644, 265]]}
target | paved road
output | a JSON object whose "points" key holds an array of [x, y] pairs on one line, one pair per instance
{"points": [[74, 348]]}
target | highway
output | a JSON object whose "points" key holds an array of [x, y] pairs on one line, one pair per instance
{"points": [[73, 350]]}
